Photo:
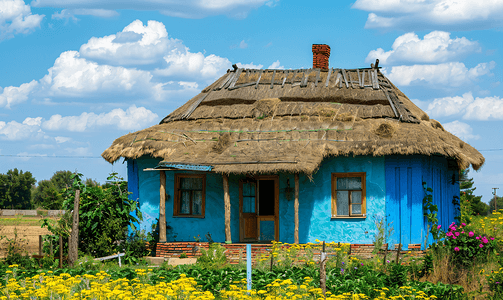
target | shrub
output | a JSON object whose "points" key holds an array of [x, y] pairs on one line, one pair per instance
{"points": [[213, 258], [105, 214], [135, 248], [16, 251], [397, 276], [467, 246]]}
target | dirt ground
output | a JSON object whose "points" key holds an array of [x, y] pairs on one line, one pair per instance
{"points": [[28, 231]]}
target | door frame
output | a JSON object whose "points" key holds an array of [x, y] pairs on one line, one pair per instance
{"points": [[274, 218]]}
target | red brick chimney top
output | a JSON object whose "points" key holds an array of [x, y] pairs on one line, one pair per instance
{"points": [[321, 53]]}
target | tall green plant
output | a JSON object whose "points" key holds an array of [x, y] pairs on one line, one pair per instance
{"points": [[430, 213], [105, 215], [382, 233]]}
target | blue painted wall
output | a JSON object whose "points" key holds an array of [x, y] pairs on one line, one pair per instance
{"points": [[439, 177], [404, 195], [145, 189], [315, 203], [393, 186], [180, 228]]}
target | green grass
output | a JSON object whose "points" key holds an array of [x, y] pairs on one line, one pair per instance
{"points": [[20, 220]]}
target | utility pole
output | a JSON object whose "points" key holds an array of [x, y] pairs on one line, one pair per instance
{"points": [[494, 193]]}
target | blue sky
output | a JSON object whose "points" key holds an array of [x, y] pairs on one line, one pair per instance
{"points": [[75, 74]]}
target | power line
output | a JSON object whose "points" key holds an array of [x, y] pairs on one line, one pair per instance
{"points": [[491, 150], [52, 156]]}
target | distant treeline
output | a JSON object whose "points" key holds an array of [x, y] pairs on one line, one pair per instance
{"points": [[18, 190]]}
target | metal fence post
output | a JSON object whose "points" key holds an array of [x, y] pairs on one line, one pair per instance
{"points": [[248, 267]]}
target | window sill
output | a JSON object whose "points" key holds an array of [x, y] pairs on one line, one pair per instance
{"points": [[188, 216], [348, 217]]}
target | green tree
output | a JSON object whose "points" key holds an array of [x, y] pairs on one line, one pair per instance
{"points": [[62, 179], [105, 214], [471, 205], [15, 189], [92, 183], [499, 204], [48, 193]]}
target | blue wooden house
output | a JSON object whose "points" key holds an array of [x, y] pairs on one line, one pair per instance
{"points": [[294, 156]]}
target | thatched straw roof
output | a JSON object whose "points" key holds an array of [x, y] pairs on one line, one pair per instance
{"points": [[266, 121]]}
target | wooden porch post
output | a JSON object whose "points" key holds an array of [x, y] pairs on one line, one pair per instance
{"points": [[227, 201], [296, 207], [162, 208]]}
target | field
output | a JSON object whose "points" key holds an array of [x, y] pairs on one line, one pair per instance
{"points": [[28, 230], [463, 264]]}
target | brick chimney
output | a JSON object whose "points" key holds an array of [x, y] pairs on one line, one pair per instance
{"points": [[321, 53]]}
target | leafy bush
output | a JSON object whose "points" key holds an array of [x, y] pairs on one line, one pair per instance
{"points": [[397, 275], [87, 262], [467, 247], [135, 248], [105, 214], [16, 251], [213, 258]]}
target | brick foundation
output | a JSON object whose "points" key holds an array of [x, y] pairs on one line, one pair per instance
{"points": [[237, 252]]}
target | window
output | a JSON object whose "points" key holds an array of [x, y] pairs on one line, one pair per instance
{"points": [[348, 195], [189, 195]]}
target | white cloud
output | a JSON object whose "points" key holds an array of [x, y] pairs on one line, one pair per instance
{"points": [[77, 77], [486, 108], [276, 65], [14, 131], [188, 84], [65, 14], [448, 106], [435, 47], [16, 17], [453, 74], [79, 151], [397, 6], [33, 121], [12, 95], [31, 128], [133, 118], [243, 44], [62, 139], [186, 64], [249, 66], [115, 66], [461, 130], [25, 156], [184, 9], [135, 45], [70, 13], [421, 14]]}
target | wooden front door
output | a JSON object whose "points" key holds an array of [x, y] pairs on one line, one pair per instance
{"points": [[248, 230], [259, 209]]}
